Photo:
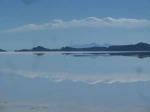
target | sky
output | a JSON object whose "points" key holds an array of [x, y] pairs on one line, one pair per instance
{"points": [[57, 23]]}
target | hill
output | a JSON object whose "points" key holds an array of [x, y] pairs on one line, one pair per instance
{"points": [[137, 47]]}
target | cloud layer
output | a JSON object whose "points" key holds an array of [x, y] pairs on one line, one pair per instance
{"points": [[87, 22], [89, 79]]}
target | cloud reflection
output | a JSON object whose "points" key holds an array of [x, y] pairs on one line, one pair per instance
{"points": [[86, 78]]}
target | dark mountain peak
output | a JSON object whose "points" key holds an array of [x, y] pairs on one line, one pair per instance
{"points": [[141, 44], [1, 50], [40, 48], [93, 44]]}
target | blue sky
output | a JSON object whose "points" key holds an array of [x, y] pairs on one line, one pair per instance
{"points": [[57, 23]]}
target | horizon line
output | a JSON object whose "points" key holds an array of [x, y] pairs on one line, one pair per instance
{"points": [[77, 52]]}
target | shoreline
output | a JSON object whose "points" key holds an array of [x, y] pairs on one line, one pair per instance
{"points": [[76, 52]]}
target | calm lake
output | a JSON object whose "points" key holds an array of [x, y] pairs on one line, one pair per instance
{"points": [[74, 83]]}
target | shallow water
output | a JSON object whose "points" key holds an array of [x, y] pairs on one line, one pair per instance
{"points": [[70, 83]]}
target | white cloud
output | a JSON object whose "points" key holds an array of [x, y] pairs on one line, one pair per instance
{"points": [[87, 22], [90, 79]]}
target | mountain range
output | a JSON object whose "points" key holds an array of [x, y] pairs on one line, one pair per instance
{"points": [[90, 45], [133, 47]]}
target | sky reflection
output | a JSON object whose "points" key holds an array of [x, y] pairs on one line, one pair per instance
{"points": [[86, 84]]}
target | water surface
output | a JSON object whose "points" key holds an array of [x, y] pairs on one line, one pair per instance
{"points": [[61, 83]]}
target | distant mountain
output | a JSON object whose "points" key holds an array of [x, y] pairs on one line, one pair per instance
{"points": [[105, 45], [85, 45], [40, 48], [35, 49], [137, 47], [83, 49], [1, 50], [89, 45]]}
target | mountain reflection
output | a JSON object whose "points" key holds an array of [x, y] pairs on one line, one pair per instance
{"points": [[95, 55]]}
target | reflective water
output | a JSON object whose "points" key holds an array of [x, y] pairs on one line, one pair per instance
{"points": [[69, 83]]}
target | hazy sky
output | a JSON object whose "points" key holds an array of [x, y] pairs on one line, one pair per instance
{"points": [[56, 23]]}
